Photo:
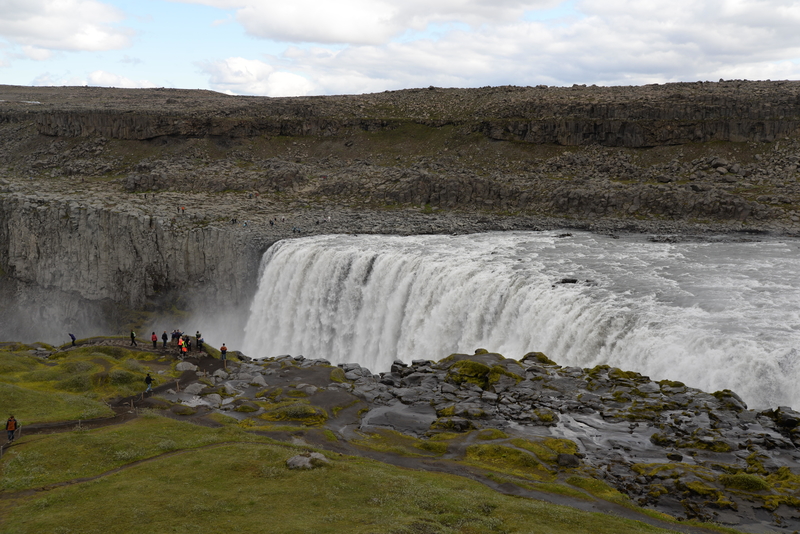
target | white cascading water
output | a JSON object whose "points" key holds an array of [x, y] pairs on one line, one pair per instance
{"points": [[714, 315]]}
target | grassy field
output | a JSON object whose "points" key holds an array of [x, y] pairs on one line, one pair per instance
{"points": [[159, 474], [199, 480]]}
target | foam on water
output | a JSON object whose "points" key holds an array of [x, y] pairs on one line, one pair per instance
{"points": [[714, 315]]}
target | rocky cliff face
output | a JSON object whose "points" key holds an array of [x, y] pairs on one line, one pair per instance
{"points": [[610, 116], [91, 179], [103, 253]]}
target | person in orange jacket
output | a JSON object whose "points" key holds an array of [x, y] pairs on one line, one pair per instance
{"points": [[11, 428]]}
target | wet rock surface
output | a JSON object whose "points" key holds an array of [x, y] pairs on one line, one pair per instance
{"points": [[666, 446]]}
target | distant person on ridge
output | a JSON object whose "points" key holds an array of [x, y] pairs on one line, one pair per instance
{"points": [[154, 339], [72, 337], [164, 338], [11, 428], [223, 355], [133, 339]]}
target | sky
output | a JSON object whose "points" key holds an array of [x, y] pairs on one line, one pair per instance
{"points": [[324, 47]]}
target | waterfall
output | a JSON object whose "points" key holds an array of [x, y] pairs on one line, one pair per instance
{"points": [[714, 315]]}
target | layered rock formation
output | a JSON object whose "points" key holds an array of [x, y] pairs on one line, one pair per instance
{"points": [[93, 179]]}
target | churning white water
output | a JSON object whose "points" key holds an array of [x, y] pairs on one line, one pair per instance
{"points": [[714, 315]]}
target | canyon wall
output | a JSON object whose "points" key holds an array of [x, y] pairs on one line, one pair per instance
{"points": [[90, 178]]}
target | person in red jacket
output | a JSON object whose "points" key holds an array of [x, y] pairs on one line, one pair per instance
{"points": [[154, 339], [11, 428]]}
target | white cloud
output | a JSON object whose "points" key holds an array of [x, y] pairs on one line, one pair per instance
{"points": [[365, 21], [37, 54], [238, 75], [63, 25], [48, 80], [102, 78]]}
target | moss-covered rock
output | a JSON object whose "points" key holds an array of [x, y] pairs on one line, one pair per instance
{"points": [[296, 411], [539, 357], [470, 372]]}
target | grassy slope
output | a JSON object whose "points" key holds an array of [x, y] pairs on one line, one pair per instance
{"points": [[72, 386], [246, 487], [174, 476]]}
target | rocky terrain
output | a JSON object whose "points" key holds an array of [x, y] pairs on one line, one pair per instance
{"points": [[113, 201], [668, 447]]}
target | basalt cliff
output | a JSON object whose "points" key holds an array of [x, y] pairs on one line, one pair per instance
{"points": [[116, 203]]}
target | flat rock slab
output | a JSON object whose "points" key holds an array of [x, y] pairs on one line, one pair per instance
{"points": [[415, 420]]}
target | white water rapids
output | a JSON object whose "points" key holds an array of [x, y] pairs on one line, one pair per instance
{"points": [[714, 315]]}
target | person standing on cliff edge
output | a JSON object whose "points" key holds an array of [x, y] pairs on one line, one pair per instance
{"points": [[164, 338], [223, 355], [72, 337], [154, 339], [133, 339]]}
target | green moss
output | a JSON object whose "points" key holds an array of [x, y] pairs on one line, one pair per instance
{"points": [[183, 410], [436, 447], [329, 435], [448, 411], [444, 436], [700, 488], [499, 454], [539, 357], [744, 482], [245, 408], [671, 384], [544, 415], [497, 371], [481, 351], [561, 446], [296, 411], [491, 433], [598, 488], [337, 375], [597, 370], [470, 372], [447, 423], [772, 502], [296, 393], [619, 374]]}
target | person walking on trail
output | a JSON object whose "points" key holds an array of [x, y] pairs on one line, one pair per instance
{"points": [[154, 339], [133, 339], [72, 337], [149, 381], [223, 355], [11, 428], [164, 338]]}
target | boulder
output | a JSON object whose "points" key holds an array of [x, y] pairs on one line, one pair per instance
{"points": [[307, 461], [213, 400], [186, 366], [258, 380], [194, 389]]}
